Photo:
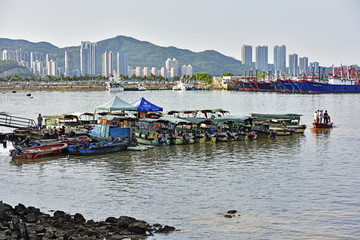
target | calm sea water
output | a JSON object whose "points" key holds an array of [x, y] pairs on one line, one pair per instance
{"points": [[300, 187]]}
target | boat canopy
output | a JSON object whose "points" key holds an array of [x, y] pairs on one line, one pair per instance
{"points": [[167, 119], [264, 117], [116, 104], [144, 105], [231, 118], [198, 121]]}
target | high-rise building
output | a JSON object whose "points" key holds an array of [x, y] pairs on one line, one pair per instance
{"points": [[314, 68], [163, 72], [280, 59], [146, 71], [153, 71], [38, 67], [9, 55], [246, 55], [262, 61], [69, 63], [304, 66], [88, 58], [186, 70], [35, 56], [51, 64], [107, 63], [293, 64], [138, 71], [169, 64], [122, 63]]}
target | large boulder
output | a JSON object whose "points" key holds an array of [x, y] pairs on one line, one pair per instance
{"points": [[137, 227], [124, 221]]}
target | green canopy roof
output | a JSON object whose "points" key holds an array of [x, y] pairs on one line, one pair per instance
{"points": [[231, 118], [116, 104], [264, 117]]}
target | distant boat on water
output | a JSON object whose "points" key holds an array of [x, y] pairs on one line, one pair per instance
{"points": [[114, 85]]}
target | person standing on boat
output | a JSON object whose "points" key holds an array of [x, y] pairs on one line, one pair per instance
{"points": [[318, 116], [62, 133], [39, 119], [326, 117], [321, 116], [315, 115]]}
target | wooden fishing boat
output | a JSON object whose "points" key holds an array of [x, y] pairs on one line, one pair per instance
{"points": [[98, 147], [323, 125], [234, 128], [38, 151], [290, 120]]}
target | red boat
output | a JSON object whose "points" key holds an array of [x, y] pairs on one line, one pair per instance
{"points": [[323, 125], [37, 152]]}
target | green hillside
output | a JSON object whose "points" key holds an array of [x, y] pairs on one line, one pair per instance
{"points": [[140, 53]]}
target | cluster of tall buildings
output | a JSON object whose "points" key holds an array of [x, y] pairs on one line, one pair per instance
{"points": [[121, 64], [170, 70], [296, 66]]}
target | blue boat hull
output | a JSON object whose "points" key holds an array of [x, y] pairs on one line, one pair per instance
{"points": [[97, 148], [316, 87]]}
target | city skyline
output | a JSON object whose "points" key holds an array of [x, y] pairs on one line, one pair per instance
{"points": [[307, 35]]}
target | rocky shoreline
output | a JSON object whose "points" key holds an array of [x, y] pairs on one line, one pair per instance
{"points": [[26, 223]]}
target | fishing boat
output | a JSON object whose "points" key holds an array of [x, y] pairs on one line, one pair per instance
{"points": [[38, 151], [233, 128], [322, 125], [98, 147], [111, 128], [202, 131], [180, 131], [290, 121], [183, 86], [153, 131], [141, 87], [114, 85]]}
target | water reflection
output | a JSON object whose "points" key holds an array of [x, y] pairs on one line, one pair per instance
{"points": [[290, 187]]}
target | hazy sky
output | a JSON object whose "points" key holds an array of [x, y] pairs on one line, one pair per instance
{"points": [[325, 31]]}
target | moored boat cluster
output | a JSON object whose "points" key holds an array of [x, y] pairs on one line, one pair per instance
{"points": [[348, 82], [121, 126]]}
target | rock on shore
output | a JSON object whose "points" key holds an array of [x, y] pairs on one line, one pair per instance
{"points": [[26, 223]]}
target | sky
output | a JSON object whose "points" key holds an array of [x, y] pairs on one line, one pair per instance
{"points": [[324, 31]]}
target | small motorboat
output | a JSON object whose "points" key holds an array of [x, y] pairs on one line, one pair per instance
{"points": [[322, 125], [38, 151], [98, 147]]}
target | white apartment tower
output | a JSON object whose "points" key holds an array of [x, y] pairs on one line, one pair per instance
{"points": [[293, 65], [146, 71], [246, 55], [262, 61], [122, 63], [186, 70], [280, 59], [172, 66], [88, 58], [106, 63], [51, 64]]}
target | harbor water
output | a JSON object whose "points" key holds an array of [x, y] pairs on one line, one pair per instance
{"points": [[299, 187]]}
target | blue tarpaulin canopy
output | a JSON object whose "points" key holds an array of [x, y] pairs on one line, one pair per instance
{"points": [[144, 105]]}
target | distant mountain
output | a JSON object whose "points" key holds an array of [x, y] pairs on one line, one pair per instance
{"points": [[141, 53], [26, 45]]}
